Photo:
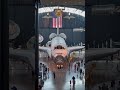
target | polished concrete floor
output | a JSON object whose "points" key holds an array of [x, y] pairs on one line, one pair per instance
{"points": [[63, 76], [62, 80]]}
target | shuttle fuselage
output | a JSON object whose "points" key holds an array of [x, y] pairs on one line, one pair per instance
{"points": [[58, 47]]}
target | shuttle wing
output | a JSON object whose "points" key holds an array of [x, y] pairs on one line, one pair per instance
{"points": [[75, 48], [45, 49]]}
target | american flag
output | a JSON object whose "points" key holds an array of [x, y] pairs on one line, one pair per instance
{"points": [[57, 23]]}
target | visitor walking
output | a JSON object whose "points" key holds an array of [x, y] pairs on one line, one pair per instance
{"points": [[48, 70], [73, 78], [70, 82], [54, 75], [80, 71], [75, 67]]}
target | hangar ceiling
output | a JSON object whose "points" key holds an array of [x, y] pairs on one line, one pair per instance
{"points": [[62, 2], [18, 7], [49, 2]]}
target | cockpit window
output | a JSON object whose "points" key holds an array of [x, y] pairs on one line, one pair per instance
{"points": [[59, 47]]}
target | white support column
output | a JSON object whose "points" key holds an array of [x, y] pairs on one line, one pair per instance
{"points": [[81, 44], [57, 25]]}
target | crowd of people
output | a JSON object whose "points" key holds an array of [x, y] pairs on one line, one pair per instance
{"points": [[45, 71], [78, 68]]}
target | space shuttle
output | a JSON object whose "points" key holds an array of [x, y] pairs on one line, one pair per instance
{"points": [[57, 48]]}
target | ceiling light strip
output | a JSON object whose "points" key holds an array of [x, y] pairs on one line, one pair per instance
{"points": [[65, 9]]}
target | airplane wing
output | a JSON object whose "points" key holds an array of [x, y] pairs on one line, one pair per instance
{"points": [[99, 53], [75, 48], [45, 49]]}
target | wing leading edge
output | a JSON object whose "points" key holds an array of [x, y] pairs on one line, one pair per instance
{"points": [[45, 49], [75, 48]]}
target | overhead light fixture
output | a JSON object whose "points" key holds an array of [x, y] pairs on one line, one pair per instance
{"points": [[69, 13], [47, 13], [78, 29], [65, 9], [47, 16], [69, 16]]}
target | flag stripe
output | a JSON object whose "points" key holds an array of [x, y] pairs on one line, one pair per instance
{"points": [[56, 22], [59, 23]]}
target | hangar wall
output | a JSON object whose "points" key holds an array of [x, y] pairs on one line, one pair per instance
{"points": [[73, 38]]}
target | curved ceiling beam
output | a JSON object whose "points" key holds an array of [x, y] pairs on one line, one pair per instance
{"points": [[65, 9]]}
